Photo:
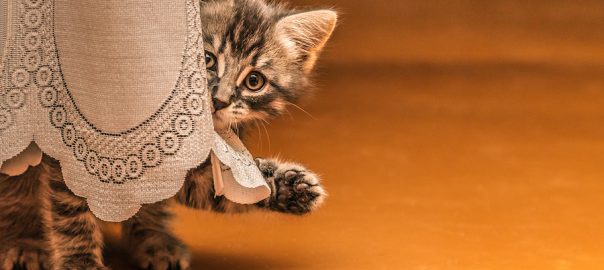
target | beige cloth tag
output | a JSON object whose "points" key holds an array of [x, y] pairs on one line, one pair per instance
{"points": [[217, 175], [237, 177]]}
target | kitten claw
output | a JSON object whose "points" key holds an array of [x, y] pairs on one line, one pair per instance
{"points": [[17, 258]]}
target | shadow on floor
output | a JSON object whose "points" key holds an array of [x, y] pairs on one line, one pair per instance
{"points": [[117, 258]]}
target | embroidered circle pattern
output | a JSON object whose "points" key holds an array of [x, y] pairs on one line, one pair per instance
{"points": [[6, 119], [17, 78], [146, 145]]}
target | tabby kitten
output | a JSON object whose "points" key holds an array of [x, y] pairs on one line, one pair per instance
{"points": [[259, 58]]}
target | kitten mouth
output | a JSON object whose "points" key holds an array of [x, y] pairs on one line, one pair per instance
{"points": [[219, 120], [219, 114], [217, 117]]}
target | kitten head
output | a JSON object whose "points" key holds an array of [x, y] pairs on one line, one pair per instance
{"points": [[259, 56]]}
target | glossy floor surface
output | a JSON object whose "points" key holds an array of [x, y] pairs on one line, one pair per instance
{"points": [[490, 158]]}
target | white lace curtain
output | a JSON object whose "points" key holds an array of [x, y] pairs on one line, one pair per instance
{"points": [[115, 90]]}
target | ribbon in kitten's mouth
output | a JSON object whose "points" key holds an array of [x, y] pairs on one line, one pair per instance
{"points": [[235, 173], [215, 114]]}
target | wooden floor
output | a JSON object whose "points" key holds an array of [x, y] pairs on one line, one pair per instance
{"points": [[485, 158]]}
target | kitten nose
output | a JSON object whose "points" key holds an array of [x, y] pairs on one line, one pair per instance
{"points": [[219, 104]]}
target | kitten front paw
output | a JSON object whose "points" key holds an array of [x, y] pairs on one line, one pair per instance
{"points": [[24, 258], [295, 189], [161, 252]]}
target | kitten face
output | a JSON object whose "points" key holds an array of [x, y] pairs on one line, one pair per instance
{"points": [[259, 56]]}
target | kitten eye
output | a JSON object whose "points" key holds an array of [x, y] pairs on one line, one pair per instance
{"points": [[210, 60], [255, 81]]}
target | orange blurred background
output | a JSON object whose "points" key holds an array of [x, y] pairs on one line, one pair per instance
{"points": [[450, 134]]}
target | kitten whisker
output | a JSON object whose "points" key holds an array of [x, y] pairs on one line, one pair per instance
{"points": [[230, 124], [267, 135], [300, 108], [265, 121], [259, 134], [289, 113]]}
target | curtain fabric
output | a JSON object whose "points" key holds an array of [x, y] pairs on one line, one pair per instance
{"points": [[116, 91], [3, 22]]}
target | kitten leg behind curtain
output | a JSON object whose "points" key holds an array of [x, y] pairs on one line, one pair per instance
{"points": [[22, 243], [150, 242], [295, 190], [73, 231], [198, 192]]}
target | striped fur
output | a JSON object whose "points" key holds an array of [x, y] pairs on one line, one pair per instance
{"points": [[71, 229], [21, 224], [247, 37], [150, 242]]}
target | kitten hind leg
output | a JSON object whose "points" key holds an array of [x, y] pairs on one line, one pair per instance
{"points": [[22, 243], [295, 190], [74, 235], [150, 242]]}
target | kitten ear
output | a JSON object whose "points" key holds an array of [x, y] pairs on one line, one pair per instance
{"points": [[305, 34]]}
